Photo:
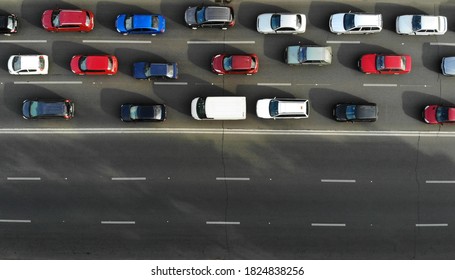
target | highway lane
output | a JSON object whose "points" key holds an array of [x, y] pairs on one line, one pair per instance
{"points": [[329, 197]]}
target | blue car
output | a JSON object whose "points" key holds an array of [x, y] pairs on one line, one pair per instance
{"points": [[148, 70], [140, 24]]}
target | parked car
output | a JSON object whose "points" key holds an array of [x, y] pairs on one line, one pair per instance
{"points": [[246, 64], [28, 64], [448, 66], [385, 64], [435, 114], [143, 113], [219, 108], [209, 16], [48, 109], [308, 55], [8, 24], [421, 25], [350, 112], [94, 64], [149, 70], [140, 24], [283, 108], [68, 20], [281, 23], [355, 23]]}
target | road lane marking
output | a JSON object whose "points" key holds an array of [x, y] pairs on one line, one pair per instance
{"points": [[232, 179], [313, 84], [337, 181], [117, 41], [219, 42], [221, 223], [415, 86], [440, 182], [23, 178], [170, 83], [23, 41], [380, 85], [327, 225], [14, 221], [118, 222], [275, 84], [343, 42], [432, 225], [48, 82], [128, 178], [441, 44]]}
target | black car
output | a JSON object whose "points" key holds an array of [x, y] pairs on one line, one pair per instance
{"points": [[143, 113], [349, 112], [48, 109], [8, 24], [209, 16]]}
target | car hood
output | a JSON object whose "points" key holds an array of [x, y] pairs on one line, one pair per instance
{"points": [[448, 65], [120, 23], [263, 23], [139, 70], [429, 114], [340, 112], [404, 24], [367, 63], [125, 112], [262, 108], [46, 19], [190, 15], [26, 109], [217, 63], [292, 55], [336, 23]]}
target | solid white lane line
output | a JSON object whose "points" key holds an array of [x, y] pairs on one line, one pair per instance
{"points": [[337, 181], [23, 41], [232, 179], [432, 225], [221, 223], [118, 222], [23, 178], [274, 84], [327, 225], [49, 82], [14, 221], [170, 83], [380, 85], [128, 178], [440, 182], [117, 41], [441, 44], [219, 42], [343, 42]]}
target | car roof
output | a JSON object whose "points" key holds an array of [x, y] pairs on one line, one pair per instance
{"points": [[29, 61], [52, 107], [367, 20], [292, 107], [394, 62], [451, 113], [241, 62], [68, 17], [366, 111], [288, 20], [218, 13], [318, 53], [97, 62], [429, 22], [142, 21]]}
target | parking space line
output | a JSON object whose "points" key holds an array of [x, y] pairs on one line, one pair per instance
{"points": [[48, 82], [441, 44], [275, 84], [23, 178], [118, 222], [327, 225], [170, 83], [440, 182], [343, 42], [232, 179], [313, 85], [380, 85], [221, 223], [432, 225], [117, 41], [128, 178], [337, 181], [23, 41], [14, 221], [219, 42]]}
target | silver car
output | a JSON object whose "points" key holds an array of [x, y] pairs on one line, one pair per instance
{"points": [[308, 55], [355, 23], [448, 66]]}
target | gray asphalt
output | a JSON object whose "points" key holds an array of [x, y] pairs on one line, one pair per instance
{"points": [[280, 190]]}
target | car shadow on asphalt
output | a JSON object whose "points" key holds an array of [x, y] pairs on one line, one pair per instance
{"points": [[349, 56], [432, 56], [413, 103], [175, 12], [31, 10], [107, 12], [127, 57], [247, 18], [320, 11], [277, 51], [391, 11], [63, 51], [13, 49]]}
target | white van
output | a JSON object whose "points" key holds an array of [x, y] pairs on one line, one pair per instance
{"points": [[219, 108]]}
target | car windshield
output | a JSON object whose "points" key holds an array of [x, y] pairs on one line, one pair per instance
{"points": [[350, 112], [110, 63], [273, 108], [227, 63], [442, 114], [10, 24], [87, 19], [170, 71], [275, 22], [55, 18], [83, 63], [380, 62], [134, 112], [200, 15], [200, 108], [302, 54], [17, 63], [348, 21], [41, 63], [147, 70], [155, 22], [416, 23], [34, 108], [129, 23]]}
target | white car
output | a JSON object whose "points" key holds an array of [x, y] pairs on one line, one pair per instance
{"points": [[282, 108], [355, 23], [28, 64], [421, 25], [281, 23]]}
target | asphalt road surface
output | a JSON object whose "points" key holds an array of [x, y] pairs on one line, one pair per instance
{"points": [[96, 188]]}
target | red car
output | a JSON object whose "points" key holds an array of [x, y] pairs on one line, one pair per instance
{"points": [[435, 114], [94, 64], [235, 64], [385, 64], [68, 20]]}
